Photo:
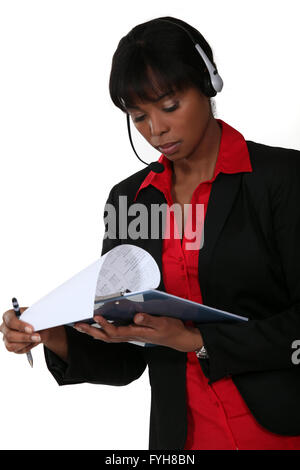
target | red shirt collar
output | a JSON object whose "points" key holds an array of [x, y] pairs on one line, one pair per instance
{"points": [[233, 157]]}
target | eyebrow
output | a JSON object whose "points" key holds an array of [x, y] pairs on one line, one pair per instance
{"points": [[154, 101]]}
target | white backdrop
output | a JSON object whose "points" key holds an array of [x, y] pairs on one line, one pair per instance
{"points": [[63, 146]]}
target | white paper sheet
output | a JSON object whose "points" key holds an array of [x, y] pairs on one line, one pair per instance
{"points": [[127, 267], [124, 267]]}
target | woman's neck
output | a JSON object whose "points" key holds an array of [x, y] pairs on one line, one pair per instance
{"points": [[200, 165]]}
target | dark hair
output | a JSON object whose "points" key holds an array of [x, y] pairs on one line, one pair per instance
{"points": [[159, 49]]}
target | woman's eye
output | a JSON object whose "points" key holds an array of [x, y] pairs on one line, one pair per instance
{"points": [[138, 119], [172, 108], [167, 110]]}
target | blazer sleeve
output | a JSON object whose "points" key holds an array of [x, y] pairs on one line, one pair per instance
{"points": [[95, 361], [260, 345]]}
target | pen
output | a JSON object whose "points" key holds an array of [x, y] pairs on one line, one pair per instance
{"points": [[18, 313]]}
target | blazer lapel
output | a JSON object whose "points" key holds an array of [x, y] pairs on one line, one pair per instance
{"points": [[223, 193], [149, 196]]}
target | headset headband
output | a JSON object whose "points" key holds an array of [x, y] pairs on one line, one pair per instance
{"points": [[215, 79]]}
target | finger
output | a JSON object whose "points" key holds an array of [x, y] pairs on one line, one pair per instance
{"points": [[27, 348], [145, 319], [15, 347], [115, 331], [14, 336], [13, 322], [111, 328], [108, 327], [110, 334], [95, 332], [130, 332]]}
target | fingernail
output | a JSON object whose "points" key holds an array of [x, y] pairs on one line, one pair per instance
{"points": [[79, 329], [36, 338], [139, 318], [28, 330]]}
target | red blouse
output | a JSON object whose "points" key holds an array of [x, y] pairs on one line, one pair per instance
{"points": [[218, 417]]}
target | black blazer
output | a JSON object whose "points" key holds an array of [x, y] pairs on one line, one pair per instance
{"points": [[249, 265]]}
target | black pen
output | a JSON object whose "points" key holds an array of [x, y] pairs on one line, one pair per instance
{"points": [[18, 313]]}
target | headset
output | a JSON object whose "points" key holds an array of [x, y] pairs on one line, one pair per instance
{"points": [[212, 85]]}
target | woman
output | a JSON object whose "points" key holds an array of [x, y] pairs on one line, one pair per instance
{"points": [[214, 386]]}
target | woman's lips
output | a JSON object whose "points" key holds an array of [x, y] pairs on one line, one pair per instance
{"points": [[169, 149]]}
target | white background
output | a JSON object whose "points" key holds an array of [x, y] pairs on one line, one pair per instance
{"points": [[63, 145]]}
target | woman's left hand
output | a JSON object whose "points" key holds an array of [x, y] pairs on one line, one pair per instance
{"points": [[164, 331]]}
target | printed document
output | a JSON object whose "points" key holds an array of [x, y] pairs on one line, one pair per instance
{"points": [[123, 267]]}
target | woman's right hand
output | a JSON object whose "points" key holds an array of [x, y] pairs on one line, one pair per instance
{"points": [[18, 336]]}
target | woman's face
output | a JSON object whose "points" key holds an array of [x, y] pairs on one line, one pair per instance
{"points": [[180, 118]]}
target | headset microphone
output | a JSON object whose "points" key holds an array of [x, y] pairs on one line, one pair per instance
{"points": [[156, 167]]}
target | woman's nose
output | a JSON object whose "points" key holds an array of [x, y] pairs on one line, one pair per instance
{"points": [[157, 125]]}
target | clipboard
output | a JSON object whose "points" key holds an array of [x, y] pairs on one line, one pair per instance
{"points": [[119, 308]]}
